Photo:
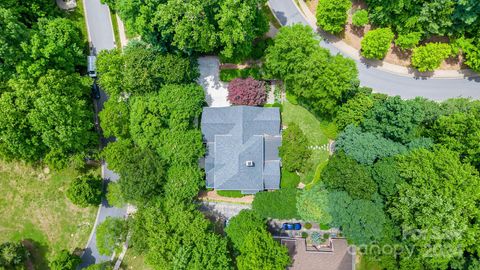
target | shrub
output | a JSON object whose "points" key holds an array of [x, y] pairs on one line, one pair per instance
{"points": [[304, 234], [408, 41], [471, 49], [85, 190], [114, 195], [294, 151], [289, 179], [332, 15], [227, 75], [12, 255], [247, 92], [360, 18], [260, 46], [65, 261], [376, 43], [280, 204], [326, 236], [111, 233], [308, 226], [430, 56], [230, 193]]}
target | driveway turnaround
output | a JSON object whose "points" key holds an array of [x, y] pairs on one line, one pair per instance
{"points": [[215, 91], [382, 81], [100, 33]]}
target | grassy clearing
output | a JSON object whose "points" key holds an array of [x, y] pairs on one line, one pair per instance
{"points": [[317, 131], [116, 32], [34, 207], [230, 193], [134, 261], [227, 75], [289, 179], [366, 264]]}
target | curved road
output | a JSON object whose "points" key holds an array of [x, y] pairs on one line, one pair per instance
{"points": [[101, 37], [385, 82]]}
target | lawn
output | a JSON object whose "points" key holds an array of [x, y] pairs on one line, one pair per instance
{"points": [[227, 75], [33, 206], [366, 264], [116, 32], [78, 17], [134, 261], [317, 131], [230, 193]]}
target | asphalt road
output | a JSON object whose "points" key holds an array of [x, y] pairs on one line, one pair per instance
{"points": [[101, 36], [385, 82], [99, 26]]}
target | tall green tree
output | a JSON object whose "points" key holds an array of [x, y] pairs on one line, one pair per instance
{"points": [[366, 147], [437, 205], [295, 151], [292, 46], [85, 190], [240, 22], [65, 261], [12, 33], [324, 82], [110, 235], [344, 173], [459, 132], [57, 44], [332, 15], [354, 110], [62, 116], [395, 119]]}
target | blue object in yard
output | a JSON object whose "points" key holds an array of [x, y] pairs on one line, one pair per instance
{"points": [[291, 226]]}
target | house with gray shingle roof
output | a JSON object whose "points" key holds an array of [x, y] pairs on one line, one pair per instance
{"points": [[242, 148]]}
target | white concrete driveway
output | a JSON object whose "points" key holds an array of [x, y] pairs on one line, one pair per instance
{"points": [[215, 91]]}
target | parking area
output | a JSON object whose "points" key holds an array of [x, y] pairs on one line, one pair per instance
{"points": [[215, 91]]}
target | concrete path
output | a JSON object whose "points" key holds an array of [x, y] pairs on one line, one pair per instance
{"points": [[383, 81], [101, 37], [215, 91], [222, 210]]}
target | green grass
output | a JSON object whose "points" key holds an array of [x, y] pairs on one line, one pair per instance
{"points": [[317, 131], [33, 206], [268, 12], [227, 75], [230, 193], [279, 204], [367, 264], [289, 179], [134, 261], [116, 32]]}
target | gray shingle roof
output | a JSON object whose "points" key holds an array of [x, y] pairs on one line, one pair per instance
{"points": [[238, 134]]}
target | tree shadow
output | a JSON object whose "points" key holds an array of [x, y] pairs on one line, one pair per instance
{"points": [[38, 251]]}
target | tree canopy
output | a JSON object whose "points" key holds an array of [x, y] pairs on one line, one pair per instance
{"points": [[85, 190], [295, 151], [332, 15], [344, 173], [437, 205]]}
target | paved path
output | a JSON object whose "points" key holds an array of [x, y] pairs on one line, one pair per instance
{"points": [[215, 91], [99, 25], [222, 210], [101, 37], [386, 82]]}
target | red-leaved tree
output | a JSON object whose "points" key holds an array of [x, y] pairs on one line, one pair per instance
{"points": [[247, 92]]}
